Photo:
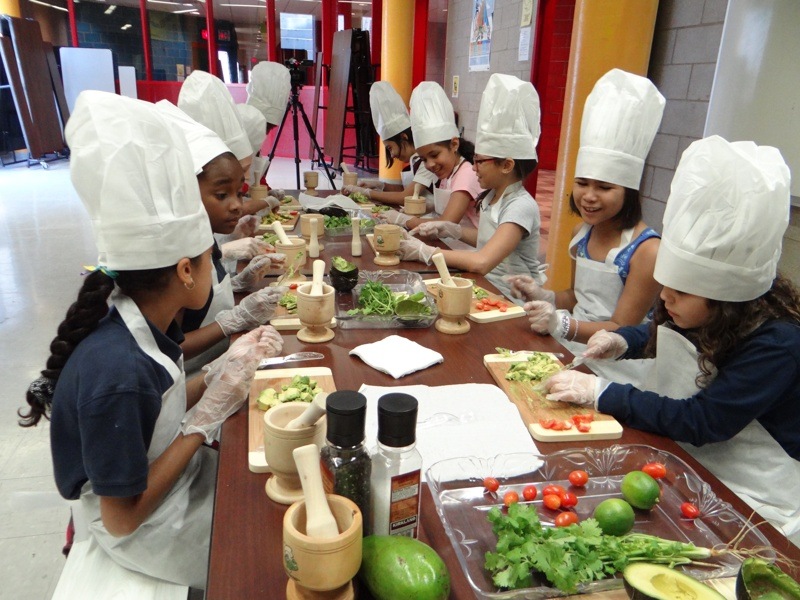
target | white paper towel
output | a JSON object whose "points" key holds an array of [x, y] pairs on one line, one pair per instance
{"points": [[397, 356]]}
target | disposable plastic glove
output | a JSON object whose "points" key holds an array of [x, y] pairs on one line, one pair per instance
{"points": [[255, 271], [605, 345], [542, 317], [413, 249], [245, 248], [246, 227], [393, 217], [438, 229], [372, 184], [574, 387], [228, 380], [273, 202], [525, 288], [256, 309], [353, 189]]}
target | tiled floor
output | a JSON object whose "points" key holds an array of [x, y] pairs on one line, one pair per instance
{"points": [[45, 239]]}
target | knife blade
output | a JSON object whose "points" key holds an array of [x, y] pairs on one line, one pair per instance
{"points": [[576, 362], [297, 356]]}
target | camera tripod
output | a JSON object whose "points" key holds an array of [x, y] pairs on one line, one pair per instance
{"points": [[294, 107]]}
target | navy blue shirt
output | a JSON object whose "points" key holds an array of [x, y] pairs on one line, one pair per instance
{"points": [[193, 319], [760, 381], [105, 407]]}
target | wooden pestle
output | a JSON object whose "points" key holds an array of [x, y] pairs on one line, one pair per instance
{"points": [[320, 523], [311, 414], [417, 187], [317, 269], [441, 266], [278, 228]]}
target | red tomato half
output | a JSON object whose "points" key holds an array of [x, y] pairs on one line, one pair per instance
{"points": [[568, 500], [656, 470], [510, 497], [552, 501], [566, 518], [491, 484], [689, 510], [578, 478], [529, 492]]}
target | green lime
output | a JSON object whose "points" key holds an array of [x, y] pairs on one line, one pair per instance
{"points": [[640, 490], [615, 516]]}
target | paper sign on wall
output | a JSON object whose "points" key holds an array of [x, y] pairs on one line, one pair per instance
{"points": [[454, 92], [523, 52]]}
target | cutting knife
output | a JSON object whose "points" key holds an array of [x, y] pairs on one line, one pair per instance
{"points": [[576, 362], [297, 356]]}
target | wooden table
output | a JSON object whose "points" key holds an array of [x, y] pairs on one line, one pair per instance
{"points": [[246, 545]]}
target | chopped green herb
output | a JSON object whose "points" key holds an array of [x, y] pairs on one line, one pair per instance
{"points": [[289, 302]]}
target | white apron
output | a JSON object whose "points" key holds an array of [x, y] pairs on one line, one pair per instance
{"points": [[440, 199], [222, 300], [173, 542], [598, 288], [752, 463]]}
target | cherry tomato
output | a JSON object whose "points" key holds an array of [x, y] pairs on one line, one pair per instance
{"points": [[566, 518], [584, 427], [656, 470], [510, 497], [554, 489], [529, 492], [568, 500], [491, 484], [293, 212], [689, 510], [502, 308], [480, 306], [552, 501], [293, 286], [578, 478]]}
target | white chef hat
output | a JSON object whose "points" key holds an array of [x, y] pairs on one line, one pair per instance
{"points": [[508, 121], [432, 116], [204, 144], [268, 90], [254, 124], [727, 211], [132, 169], [620, 120], [389, 112], [206, 99]]}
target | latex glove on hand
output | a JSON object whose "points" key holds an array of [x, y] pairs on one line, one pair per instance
{"points": [[574, 387], [525, 288], [353, 189], [605, 345], [228, 380], [438, 229], [273, 203], [255, 271], [413, 249], [256, 309], [245, 248], [542, 317], [246, 227], [372, 184], [393, 217]]}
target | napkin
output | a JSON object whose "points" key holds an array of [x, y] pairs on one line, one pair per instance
{"points": [[316, 202], [397, 356], [455, 421]]}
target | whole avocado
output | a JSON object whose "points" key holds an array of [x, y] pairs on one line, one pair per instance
{"points": [[400, 567]]}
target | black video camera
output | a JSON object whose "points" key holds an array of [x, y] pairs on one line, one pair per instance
{"points": [[297, 70]]}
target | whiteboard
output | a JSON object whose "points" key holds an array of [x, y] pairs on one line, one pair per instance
{"points": [[754, 95], [127, 82], [86, 69]]}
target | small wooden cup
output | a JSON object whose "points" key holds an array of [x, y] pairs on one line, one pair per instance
{"points": [[305, 227], [387, 243], [296, 255], [258, 192], [415, 206], [315, 314], [454, 302], [311, 181], [349, 178]]}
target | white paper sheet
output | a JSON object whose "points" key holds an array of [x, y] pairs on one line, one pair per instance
{"points": [[453, 421], [335, 200]]}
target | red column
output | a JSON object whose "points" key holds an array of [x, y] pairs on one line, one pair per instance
{"points": [[148, 52], [375, 38], [73, 24], [212, 37], [420, 42], [329, 13], [346, 10], [272, 38]]}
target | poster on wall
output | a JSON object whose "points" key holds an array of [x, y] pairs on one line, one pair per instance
{"points": [[480, 42]]}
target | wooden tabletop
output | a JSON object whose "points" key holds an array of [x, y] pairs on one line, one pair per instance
{"points": [[246, 544]]}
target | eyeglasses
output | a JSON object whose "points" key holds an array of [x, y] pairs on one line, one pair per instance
{"points": [[479, 161]]}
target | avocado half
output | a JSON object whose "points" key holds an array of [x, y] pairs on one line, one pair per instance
{"points": [[645, 581], [760, 580]]}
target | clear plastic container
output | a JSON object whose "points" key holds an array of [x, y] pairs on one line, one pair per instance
{"points": [[367, 225]]}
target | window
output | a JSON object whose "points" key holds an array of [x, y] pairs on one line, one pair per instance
{"points": [[297, 35]]}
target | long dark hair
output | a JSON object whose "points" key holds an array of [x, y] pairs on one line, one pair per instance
{"points": [[465, 148], [628, 216], [730, 324], [82, 318], [404, 137]]}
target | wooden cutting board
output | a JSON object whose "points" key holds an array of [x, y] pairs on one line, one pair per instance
{"points": [[287, 224], [533, 407], [283, 320], [482, 316], [275, 378]]}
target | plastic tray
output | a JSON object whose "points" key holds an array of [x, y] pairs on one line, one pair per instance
{"points": [[346, 231], [457, 489], [397, 281]]}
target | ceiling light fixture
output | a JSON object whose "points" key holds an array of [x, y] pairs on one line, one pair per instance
{"points": [[126, 27], [243, 6], [181, 12], [50, 5], [165, 2], [110, 9]]}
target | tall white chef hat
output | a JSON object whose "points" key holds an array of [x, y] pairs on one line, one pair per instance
{"points": [[620, 120], [727, 211], [206, 99], [254, 124], [132, 169], [268, 90], [389, 112], [204, 144], [432, 116], [508, 121]]}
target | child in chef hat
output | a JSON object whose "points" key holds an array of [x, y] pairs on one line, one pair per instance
{"points": [[614, 249], [268, 91], [391, 120], [122, 439], [507, 238], [220, 178], [725, 334], [446, 155]]}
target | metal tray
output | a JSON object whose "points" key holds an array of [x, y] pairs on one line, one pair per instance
{"points": [[457, 489], [397, 281]]}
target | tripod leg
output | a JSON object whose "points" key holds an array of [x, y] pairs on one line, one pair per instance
{"points": [[295, 104], [278, 135], [316, 145]]}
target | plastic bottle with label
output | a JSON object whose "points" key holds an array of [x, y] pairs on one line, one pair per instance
{"points": [[396, 468]]}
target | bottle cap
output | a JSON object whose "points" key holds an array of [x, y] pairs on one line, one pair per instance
{"points": [[347, 412], [397, 420]]}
